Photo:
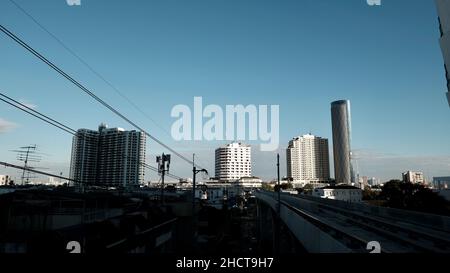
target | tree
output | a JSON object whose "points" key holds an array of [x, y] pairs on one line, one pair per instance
{"points": [[369, 194], [267, 187], [284, 186], [392, 193], [307, 189], [413, 197]]}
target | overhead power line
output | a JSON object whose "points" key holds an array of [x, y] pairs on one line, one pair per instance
{"points": [[88, 66], [156, 170], [35, 113], [87, 91], [28, 169], [56, 123]]}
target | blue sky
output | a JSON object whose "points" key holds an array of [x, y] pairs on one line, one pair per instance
{"points": [[301, 55]]}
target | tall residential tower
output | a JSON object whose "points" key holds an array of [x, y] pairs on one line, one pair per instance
{"points": [[308, 160], [109, 157]]}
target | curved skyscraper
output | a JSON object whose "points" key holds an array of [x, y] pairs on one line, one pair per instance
{"points": [[340, 119], [444, 21]]}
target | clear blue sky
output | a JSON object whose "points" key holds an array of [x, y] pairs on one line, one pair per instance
{"points": [[299, 54]]}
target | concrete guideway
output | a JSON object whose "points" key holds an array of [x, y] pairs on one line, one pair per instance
{"points": [[330, 226]]}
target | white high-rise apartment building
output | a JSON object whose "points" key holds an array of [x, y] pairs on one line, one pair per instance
{"points": [[308, 160], [108, 157], [233, 162]]}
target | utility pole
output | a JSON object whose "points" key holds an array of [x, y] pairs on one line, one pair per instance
{"points": [[278, 224], [279, 185], [194, 174], [194, 177], [163, 167]]}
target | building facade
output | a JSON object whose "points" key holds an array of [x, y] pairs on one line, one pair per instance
{"points": [[341, 125], [250, 182], [83, 166], [109, 157], [341, 192], [233, 162], [441, 183], [373, 181], [443, 7], [413, 177], [307, 159]]}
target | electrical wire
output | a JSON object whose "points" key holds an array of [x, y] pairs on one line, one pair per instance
{"points": [[89, 92]]}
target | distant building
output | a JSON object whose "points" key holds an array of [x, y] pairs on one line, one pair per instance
{"points": [[413, 177], [441, 183], [339, 192], [216, 194], [341, 123], [109, 157], [307, 159], [55, 181], [373, 181], [365, 180], [4, 180], [233, 162], [443, 7], [250, 182]]}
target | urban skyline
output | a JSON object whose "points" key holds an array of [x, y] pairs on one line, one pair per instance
{"points": [[203, 135], [385, 157]]}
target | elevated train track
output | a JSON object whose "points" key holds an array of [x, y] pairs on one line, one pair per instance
{"points": [[353, 228]]}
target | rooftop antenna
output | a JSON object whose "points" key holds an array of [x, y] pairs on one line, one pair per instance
{"points": [[27, 154]]}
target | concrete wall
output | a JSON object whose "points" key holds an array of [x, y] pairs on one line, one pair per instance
{"points": [[313, 239]]}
